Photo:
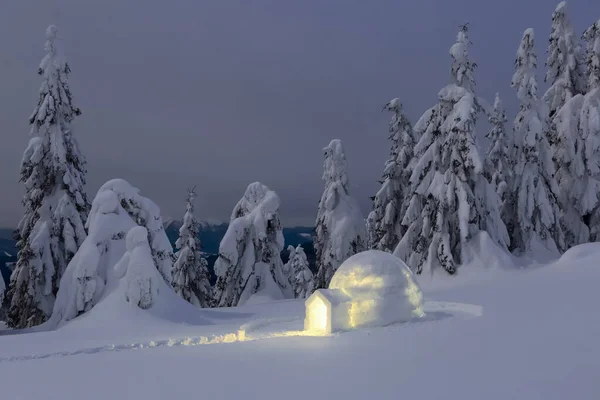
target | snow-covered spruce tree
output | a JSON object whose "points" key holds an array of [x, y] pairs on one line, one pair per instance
{"points": [[565, 62], [249, 255], [190, 271], [340, 228], [534, 184], [117, 208], [589, 126], [499, 162], [451, 198], [572, 177], [56, 206], [301, 277], [383, 223]]}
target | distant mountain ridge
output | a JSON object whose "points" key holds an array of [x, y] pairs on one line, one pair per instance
{"points": [[211, 233], [8, 252]]}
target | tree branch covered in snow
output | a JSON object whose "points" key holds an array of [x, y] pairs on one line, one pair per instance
{"points": [[56, 206], [340, 228]]}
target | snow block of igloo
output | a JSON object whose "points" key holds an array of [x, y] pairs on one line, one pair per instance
{"points": [[372, 288]]}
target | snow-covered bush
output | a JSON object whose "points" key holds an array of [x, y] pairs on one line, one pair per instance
{"points": [[53, 172], [300, 276], [190, 270], [91, 270], [384, 228], [142, 276], [340, 228], [249, 255], [451, 199], [534, 186]]}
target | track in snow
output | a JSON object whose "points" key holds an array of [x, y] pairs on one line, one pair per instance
{"points": [[240, 336]]}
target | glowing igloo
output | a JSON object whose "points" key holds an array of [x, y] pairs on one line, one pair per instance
{"points": [[372, 288]]}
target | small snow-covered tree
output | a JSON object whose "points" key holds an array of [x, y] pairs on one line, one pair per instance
{"points": [[451, 199], [249, 255], [301, 277], [56, 206], [565, 62], [589, 126], [142, 277], [340, 228], [384, 228], [534, 185], [117, 208], [190, 271], [499, 161]]}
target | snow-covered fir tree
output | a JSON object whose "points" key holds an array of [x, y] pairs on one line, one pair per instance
{"points": [[589, 126], [340, 228], [56, 206], [565, 62], [499, 161], [301, 277], [190, 271], [534, 185], [572, 177], [249, 255], [117, 208], [384, 228], [451, 198]]}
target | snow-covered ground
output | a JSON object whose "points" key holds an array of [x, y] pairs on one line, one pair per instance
{"points": [[524, 334]]}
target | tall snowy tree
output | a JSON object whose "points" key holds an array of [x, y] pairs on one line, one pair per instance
{"points": [[301, 278], [565, 63], [340, 228], [384, 227], [534, 186], [190, 271], [249, 255], [451, 200], [589, 126], [56, 206], [499, 161]]}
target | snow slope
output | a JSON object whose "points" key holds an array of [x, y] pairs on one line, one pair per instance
{"points": [[525, 334]]}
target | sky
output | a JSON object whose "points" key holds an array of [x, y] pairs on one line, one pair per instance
{"points": [[219, 94]]}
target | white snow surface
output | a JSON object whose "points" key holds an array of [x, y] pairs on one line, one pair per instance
{"points": [[489, 334]]}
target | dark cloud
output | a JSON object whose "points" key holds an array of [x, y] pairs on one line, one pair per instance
{"points": [[220, 94]]}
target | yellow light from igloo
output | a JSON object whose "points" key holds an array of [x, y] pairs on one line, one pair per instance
{"points": [[317, 314]]}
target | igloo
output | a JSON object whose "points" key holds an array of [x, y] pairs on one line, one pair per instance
{"points": [[372, 288]]}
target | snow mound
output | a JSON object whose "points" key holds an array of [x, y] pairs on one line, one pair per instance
{"points": [[483, 251]]}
